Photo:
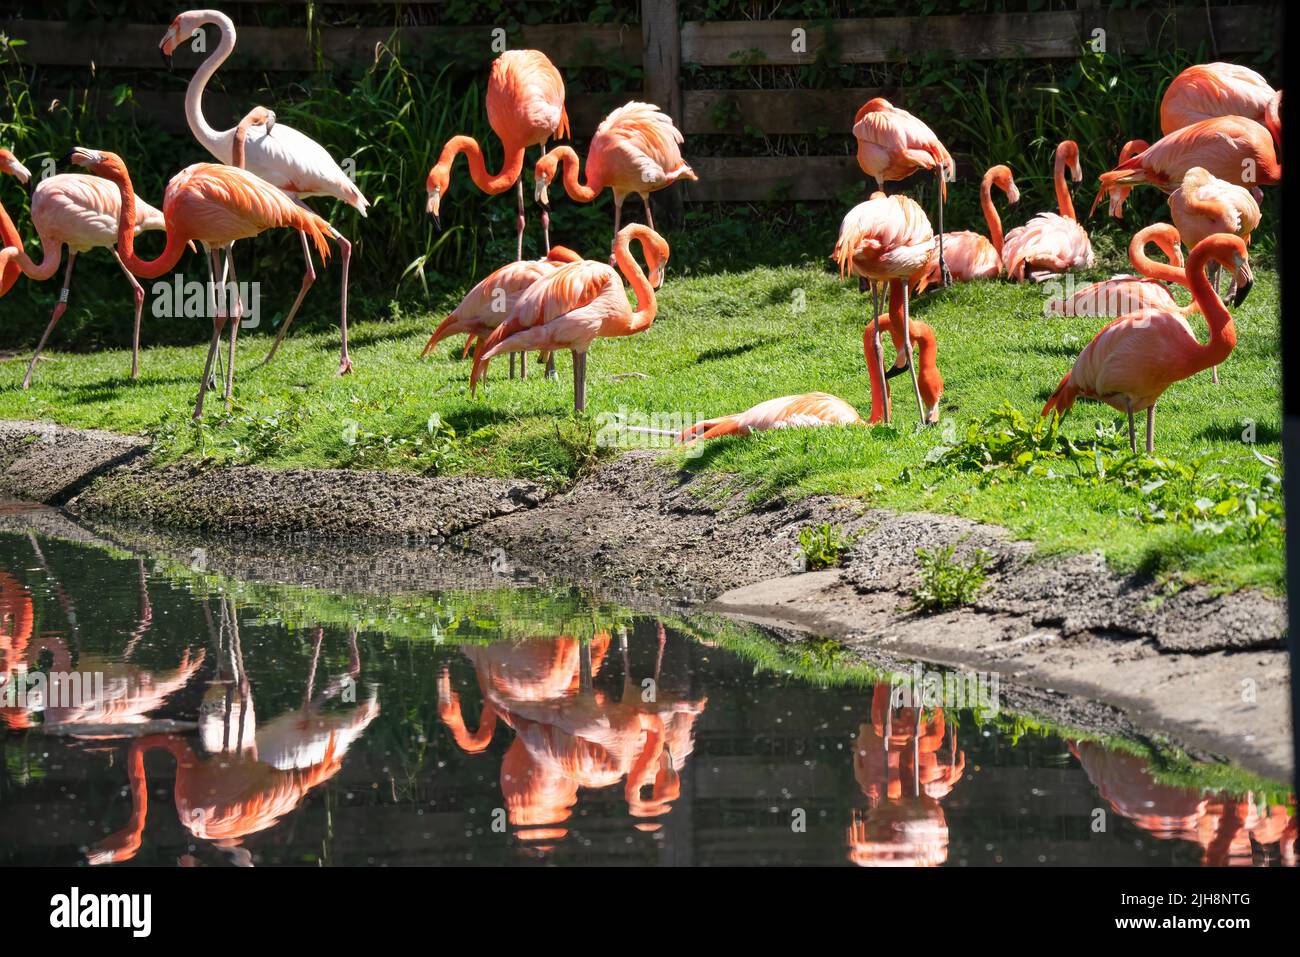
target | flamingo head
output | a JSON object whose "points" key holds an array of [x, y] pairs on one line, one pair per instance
{"points": [[183, 28], [435, 188], [1131, 149], [1230, 252], [656, 252], [543, 175], [1166, 237], [261, 116], [97, 161], [1067, 154], [1001, 176], [876, 105], [9, 164]]}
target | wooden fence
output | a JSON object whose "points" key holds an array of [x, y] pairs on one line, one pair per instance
{"points": [[660, 45]]}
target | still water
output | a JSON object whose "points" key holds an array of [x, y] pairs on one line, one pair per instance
{"points": [[218, 722]]}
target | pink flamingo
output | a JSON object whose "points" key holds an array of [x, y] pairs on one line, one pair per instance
{"points": [[525, 107], [1121, 295], [1120, 193], [1135, 358], [1233, 148], [970, 255], [635, 150], [1051, 242], [893, 144], [1220, 89], [295, 163], [810, 410], [488, 304], [9, 235], [81, 212], [888, 239], [1204, 205], [580, 302], [215, 205]]}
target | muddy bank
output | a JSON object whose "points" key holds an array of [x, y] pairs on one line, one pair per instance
{"points": [[1209, 671]]}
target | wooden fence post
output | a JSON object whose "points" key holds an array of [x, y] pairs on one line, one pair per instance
{"points": [[661, 61]]}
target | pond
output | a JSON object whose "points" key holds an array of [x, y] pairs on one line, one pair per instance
{"points": [[155, 713]]}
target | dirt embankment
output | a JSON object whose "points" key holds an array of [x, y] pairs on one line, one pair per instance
{"points": [[1207, 670]]}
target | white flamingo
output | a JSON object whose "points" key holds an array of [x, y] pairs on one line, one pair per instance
{"points": [[294, 162]]}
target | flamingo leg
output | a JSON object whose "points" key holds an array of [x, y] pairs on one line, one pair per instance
{"points": [[546, 220], [59, 308], [618, 217], [880, 351], [217, 323], [907, 344], [1151, 428], [649, 219], [139, 306], [579, 381], [1132, 435], [945, 277], [551, 372], [216, 301], [519, 220], [236, 316], [308, 277], [345, 254]]}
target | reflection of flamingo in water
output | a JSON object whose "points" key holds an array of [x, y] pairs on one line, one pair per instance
{"points": [[130, 693], [1227, 828], [251, 777], [897, 763], [569, 735]]}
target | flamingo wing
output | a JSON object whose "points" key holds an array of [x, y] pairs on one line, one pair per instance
{"points": [[1213, 89], [298, 164]]}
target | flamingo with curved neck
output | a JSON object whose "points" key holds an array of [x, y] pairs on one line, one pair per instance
{"points": [[290, 161], [580, 302], [1164, 345], [1051, 242], [969, 255], [215, 205], [525, 107], [1121, 295]]}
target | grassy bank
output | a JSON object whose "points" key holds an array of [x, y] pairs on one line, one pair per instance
{"points": [[1203, 509]]}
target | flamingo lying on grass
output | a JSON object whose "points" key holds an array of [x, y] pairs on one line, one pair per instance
{"points": [[290, 160], [1121, 295], [969, 255], [212, 204], [488, 304], [1233, 148], [580, 302], [1051, 242], [888, 239], [635, 150], [1208, 90], [525, 107], [81, 212], [893, 144], [1135, 358]]}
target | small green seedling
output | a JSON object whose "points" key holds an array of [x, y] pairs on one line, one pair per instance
{"points": [[824, 545], [947, 582]]}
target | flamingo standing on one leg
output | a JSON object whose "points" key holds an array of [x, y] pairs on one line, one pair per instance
{"points": [[893, 144], [1051, 242], [1233, 148], [488, 304], [888, 238], [295, 163], [635, 150], [79, 211], [970, 255], [1220, 89], [525, 107], [580, 302], [213, 204], [1135, 358]]}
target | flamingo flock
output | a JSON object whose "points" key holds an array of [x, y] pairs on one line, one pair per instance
{"points": [[1220, 142]]}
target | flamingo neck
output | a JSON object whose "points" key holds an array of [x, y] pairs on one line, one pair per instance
{"points": [[991, 213], [1063, 201], [513, 164], [1151, 268], [198, 123], [647, 306], [51, 252], [569, 163], [176, 240], [1223, 334]]}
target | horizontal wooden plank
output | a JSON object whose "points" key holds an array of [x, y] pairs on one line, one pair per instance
{"points": [[992, 36], [774, 111], [285, 49], [757, 178]]}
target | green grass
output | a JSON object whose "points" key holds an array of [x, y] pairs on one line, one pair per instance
{"points": [[722, 342]]}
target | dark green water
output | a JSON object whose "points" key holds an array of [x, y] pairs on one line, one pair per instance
{"points": [[275, 724]]}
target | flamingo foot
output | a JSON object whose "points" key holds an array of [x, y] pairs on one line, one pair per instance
{"points": [[345, 366]]}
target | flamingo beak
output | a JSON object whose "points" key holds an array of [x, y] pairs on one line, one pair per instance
{"points": [[433, 207], [540, 195], [270, 121], [167, 58], [1013, 194], [1245, 280], [23, 174]]}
